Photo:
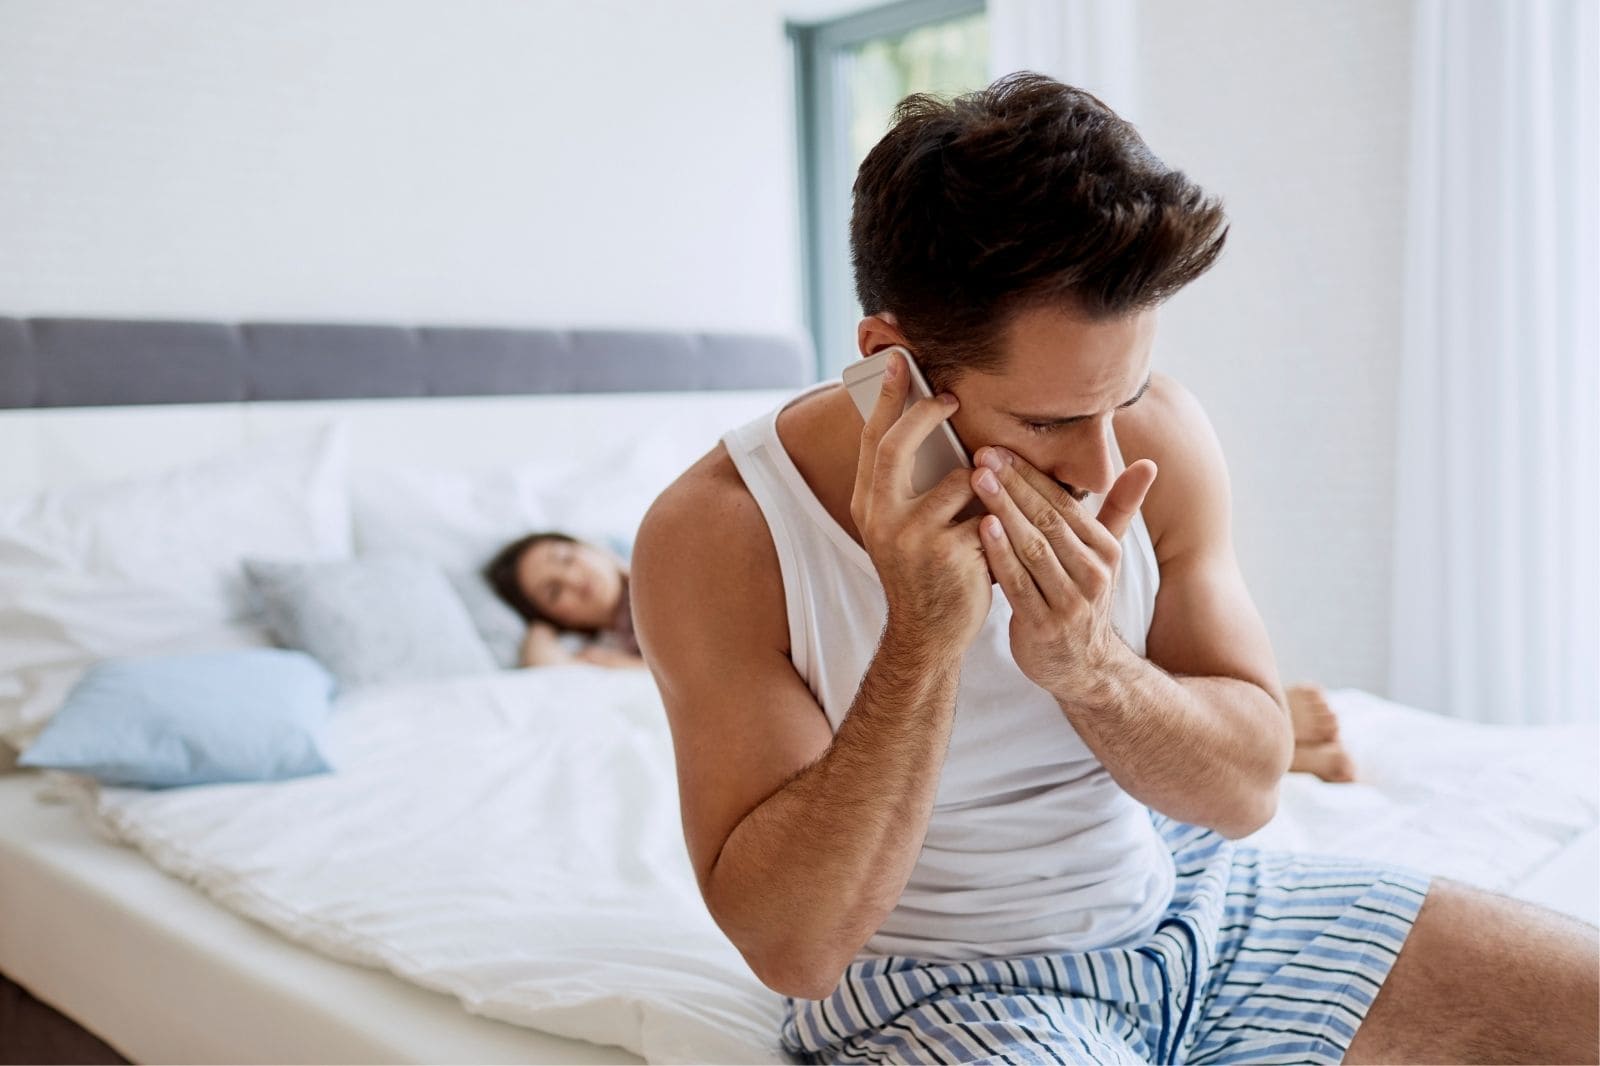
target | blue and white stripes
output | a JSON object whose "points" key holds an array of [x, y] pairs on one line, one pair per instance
{"points": [[1262, 956]]}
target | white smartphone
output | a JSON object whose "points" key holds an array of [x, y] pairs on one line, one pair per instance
{"points": [[941, 451]]}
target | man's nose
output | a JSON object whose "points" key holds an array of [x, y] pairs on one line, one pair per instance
{"points": [[1089, 468]]}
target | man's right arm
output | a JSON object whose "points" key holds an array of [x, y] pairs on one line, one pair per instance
{"points": [[802, 841]]}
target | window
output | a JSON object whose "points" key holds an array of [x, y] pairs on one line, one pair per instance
{"points": [[850, 73]]}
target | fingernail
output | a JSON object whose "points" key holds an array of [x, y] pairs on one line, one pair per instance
{"points": [[950, 400], [1003, 455], [892, 368], [987, 482], [990, 459]]}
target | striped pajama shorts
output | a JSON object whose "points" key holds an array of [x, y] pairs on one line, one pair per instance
{"points": [[1261, 957]]}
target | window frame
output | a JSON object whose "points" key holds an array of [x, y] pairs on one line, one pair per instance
{"points": [[817, 50]]}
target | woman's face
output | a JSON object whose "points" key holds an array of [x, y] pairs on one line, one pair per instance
{"points": [[577, 586]]}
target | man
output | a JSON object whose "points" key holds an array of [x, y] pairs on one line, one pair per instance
{"points": [[969, 790]]}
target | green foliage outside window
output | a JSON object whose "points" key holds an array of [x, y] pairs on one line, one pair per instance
{"points": [[948, 58]]}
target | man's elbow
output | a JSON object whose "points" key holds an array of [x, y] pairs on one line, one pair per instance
{"points": [[785, 967], [1257, 801], [788, 971], [798, 982], [1251, 812]]}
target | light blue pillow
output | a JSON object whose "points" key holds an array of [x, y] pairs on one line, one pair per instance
{"points": [[253, 714]]}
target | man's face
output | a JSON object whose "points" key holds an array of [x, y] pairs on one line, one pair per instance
{"points": [[1053, 398]]}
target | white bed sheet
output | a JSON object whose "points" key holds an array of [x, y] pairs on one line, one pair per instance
{"points": [[1511, 809], [510, 838], [573, 767], [165, 974]]}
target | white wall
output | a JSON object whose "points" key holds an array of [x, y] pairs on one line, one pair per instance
{"points": [[480, 161], [626, 162], [1297, 115]]}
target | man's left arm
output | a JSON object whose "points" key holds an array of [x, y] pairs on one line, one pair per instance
{"points": [[1208, 749], [1199, 729]]}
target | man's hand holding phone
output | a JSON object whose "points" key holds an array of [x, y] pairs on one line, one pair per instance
{"points": [[933, 570], [1057, 565]]}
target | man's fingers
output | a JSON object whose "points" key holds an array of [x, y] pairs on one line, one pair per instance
{"points": [[1009, 571], [891, 400], [896, 458], [1028, 483], [947, 499], [1038, 549], [1126, 496]]}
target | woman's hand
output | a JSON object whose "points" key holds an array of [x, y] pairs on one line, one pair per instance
{"points": [[599, 656], [542, 646]]}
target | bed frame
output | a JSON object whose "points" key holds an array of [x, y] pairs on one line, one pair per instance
{"points": [[35, 1032], [84, 362], [464, 394]]}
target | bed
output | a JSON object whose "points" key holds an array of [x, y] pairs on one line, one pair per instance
{"points": [[524, 896]]}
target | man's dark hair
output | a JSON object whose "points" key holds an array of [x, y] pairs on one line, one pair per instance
{"points": [[1026, 194]]}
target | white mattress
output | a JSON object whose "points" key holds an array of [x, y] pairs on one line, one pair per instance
{"points": [[164, 974]]}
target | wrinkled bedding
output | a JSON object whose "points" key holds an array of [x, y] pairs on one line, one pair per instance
{"points": [[513, 840]]}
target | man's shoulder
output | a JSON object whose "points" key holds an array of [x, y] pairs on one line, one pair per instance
{"points": [[706, 541], [709, 498], [1169, 418], [1170, 426]]}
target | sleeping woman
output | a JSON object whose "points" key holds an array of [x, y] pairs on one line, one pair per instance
{"points": [[561, 584], [557, 582]]}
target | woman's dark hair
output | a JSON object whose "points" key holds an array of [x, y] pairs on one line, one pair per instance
{"points": [[501, 573], [1026, 194]]}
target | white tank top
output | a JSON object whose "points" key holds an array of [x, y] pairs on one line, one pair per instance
{"points": [[1032, 847]]}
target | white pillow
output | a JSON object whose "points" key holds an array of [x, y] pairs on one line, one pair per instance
{"points": [[501, 628], [152, 564], [606, 501], [459, 519]]}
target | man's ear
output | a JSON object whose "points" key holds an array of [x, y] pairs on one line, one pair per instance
{"points": [[877, 332]]}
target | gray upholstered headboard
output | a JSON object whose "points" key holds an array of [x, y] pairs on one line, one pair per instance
{"points": [[81, 362]]}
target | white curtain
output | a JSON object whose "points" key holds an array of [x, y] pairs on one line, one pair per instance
{"points": [[1497, 539], [1090, 44]]}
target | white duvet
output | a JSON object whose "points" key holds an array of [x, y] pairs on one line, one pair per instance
{"points": [[513, 840]]}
